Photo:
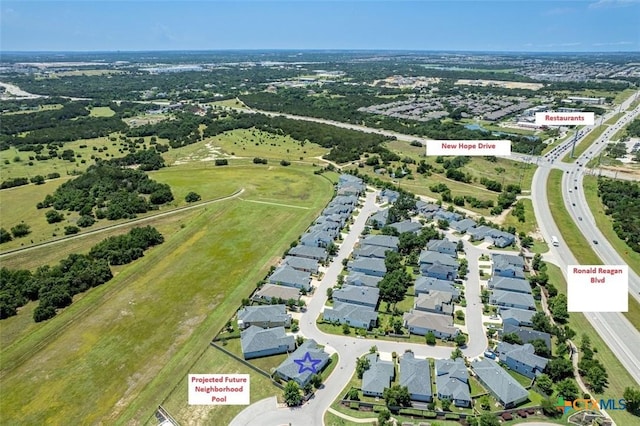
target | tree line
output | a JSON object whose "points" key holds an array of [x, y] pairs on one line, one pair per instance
{"points": [[622, 202], [55, 286]]}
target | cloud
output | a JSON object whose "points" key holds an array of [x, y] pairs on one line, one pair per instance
{"points": [[614, 43], [612, 3]]}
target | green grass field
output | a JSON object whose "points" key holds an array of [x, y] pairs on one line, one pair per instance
{"points": [[584, 144], [122, 348], [530, 225], [614, 119], [101, 112], [576, 242]]}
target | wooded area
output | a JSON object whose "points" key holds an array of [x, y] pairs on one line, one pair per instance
{"points": [[622, 203]]}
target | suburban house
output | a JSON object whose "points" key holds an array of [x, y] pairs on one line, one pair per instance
{"points": [[371, 251], [358, 278], [426, 209], [378, 219], [510, 284], [304, 362], [278, 292], [350, 185], [407, 226], [505, 265], [522, 358], [499, 383], [510, 299], [427, 284], [369, 266], [389, 196], [494, 236], [388, 241], [445, 215], [421, 323], [265, 316], [432, 257], [358, 316], [317, 253], [439, 302], [316, 239], [452, 381], [415, 374], [302, 264], [358, 295], [462, 225], [517, 317], [443, 246], [349, 200], [286, 275], [440, 271], [258, 342], [378, 376], [527, 335]]}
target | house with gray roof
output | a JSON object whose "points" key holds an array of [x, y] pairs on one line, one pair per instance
{"points": [[427, 284], [494, 236], [432, 257], [379, 218], [336, 209], [316, 238], [443, 246], [438, 302], [358, 278], [307, 360], [462, 225], [510, 299], [265, 316], [358, 295], [426, 209], [415, 374], [278, 292], [452, 381], [388, 241], [478, 233], [510, 284], [258, 342], [522, 358], [499, 383], [389, 196], [448, 216], [407, 226], [440, 271], [317, 253], [505, 265], [517, 317], [349, 200], [369, 266], [286, 275], [378, 376], [527, 335], [350, 190], [358, 316], [302, 264], [421, 323], [371, 251]]}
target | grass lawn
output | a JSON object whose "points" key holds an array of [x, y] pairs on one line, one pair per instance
{"points": [[529, 225], [256, 143], [523, 380], [623, 96], [577, 243], [230, 103], [615, 118], [539, 247], [618, 376], [584, 144], [213, 361], [101, 112], [476, 387], [121, 348]]}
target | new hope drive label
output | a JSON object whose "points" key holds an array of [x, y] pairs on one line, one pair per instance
{"points": [[564, 118], [469, 147], [598, 288], [218, 389]]}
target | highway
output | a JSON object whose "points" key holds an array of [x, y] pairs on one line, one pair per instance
{"points": [[617, 332]]}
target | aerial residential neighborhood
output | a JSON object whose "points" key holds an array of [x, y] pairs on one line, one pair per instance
{"points": [[317, 213]]}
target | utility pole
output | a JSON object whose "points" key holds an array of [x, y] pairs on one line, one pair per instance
{"points": [[573, 146]]}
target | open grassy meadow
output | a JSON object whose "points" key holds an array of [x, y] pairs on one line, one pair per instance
{"points": [[101, 112], [121, 348]]}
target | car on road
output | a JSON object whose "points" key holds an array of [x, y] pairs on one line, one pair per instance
{"points": [[573, 204], [579, 217], [595, 241]]}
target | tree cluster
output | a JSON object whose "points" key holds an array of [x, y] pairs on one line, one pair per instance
{"points": [[622, 202]]}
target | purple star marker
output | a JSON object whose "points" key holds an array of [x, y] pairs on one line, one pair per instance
{"points": [[307, 364]]}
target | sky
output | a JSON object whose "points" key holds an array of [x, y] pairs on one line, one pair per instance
{"points": [[471, 25]]}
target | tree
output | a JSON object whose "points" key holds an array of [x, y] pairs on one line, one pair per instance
{"points": [[85, 221], [316, 380], [541, 348], [536, 263], [446, 404], [485, 403], [459, 315], [70, 230], [292, 395], [346, 329], [396, 324], [597, 377], [383, 417], [568, 389], [632, 400], [54, 216], [549, 407], [393, 286], [192, 197], [457, 353], [397, 396], [21, 230], [541, 322], [460, 339], [460, 246], [488, 419], [558, 306], [545, 384], [559, 368], [332, 249], [430, 338], [5, 236], [353, 395], [330, 293], [512, 338], [362, 365]]}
